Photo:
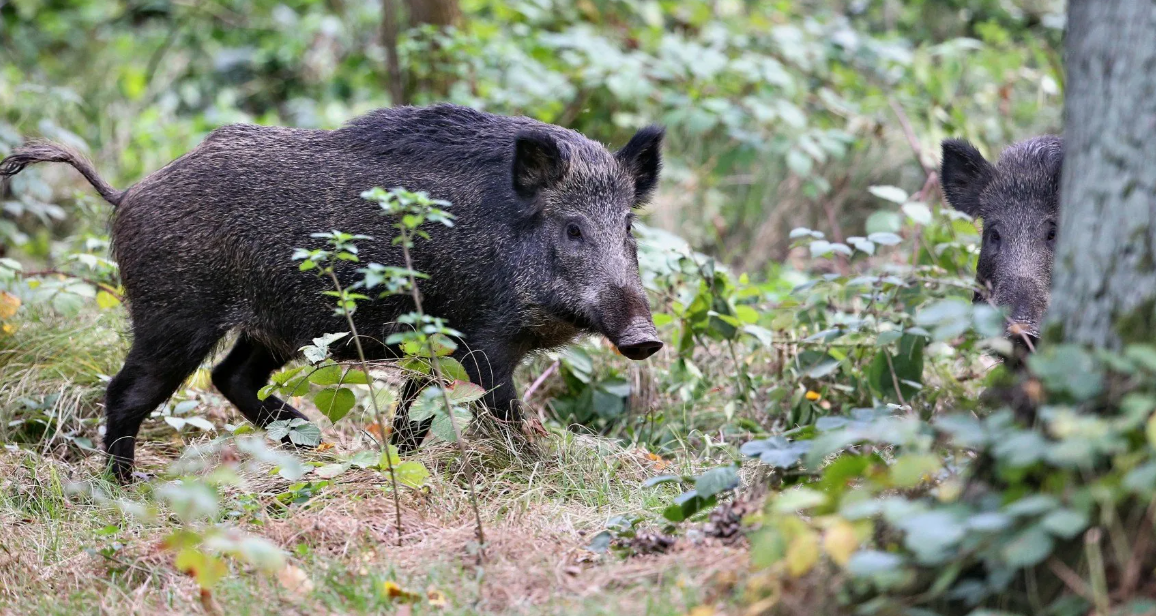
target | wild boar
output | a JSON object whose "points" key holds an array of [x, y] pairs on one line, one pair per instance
{"points": [[1018, 200], [541, 250]]}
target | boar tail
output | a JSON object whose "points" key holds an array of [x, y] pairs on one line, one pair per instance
{"points": [[48, 152]]}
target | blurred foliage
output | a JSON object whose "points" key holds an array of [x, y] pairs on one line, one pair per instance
{"points": [[779, 113]]}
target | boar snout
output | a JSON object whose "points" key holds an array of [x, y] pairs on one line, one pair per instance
{"points": [[639, 341], [625, 321]]}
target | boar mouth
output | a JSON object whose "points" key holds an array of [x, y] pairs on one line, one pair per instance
{"points": [[638, 345], [1024, 336]]}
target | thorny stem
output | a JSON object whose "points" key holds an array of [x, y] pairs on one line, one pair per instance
{"points": [[376, 409], [434, 363]]}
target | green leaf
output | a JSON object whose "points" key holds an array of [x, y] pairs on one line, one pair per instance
{"points": [[411, 473], [354, 376], [911, 470], [717, 480], [306, 433], [453, 370], [330, 471], [335, 403], [919, 213], [326, 375], [893, 194], [661, 479], [1070, 368], [1029, 548], [776, 451], [1065, 523], [464, 392], [686, 505], [884, 238]]}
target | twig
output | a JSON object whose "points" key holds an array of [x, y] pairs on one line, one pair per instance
{"points": [[436, 365], [894, 379], [386, 453], [916, 149], [1070, 579], [1131, 578], [96, 283], [541, 379]]}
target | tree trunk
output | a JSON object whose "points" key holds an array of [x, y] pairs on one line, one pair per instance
{"points": [[1104, 290], [434, 12], [389, 34]]}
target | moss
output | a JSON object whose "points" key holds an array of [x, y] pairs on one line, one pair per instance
{"points": [[1137, 325]]}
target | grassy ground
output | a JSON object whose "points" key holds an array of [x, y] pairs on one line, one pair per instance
{"points": [[63, 551]]}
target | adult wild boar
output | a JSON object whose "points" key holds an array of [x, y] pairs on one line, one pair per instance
{"points": [[1018, 199], [541, 250]]}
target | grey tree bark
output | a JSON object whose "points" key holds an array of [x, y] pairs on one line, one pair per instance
{"points": [[1104, 283]]}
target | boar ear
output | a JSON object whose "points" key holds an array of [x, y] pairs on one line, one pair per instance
{"points": [[965, 174], [538, 163], [642, 157]]}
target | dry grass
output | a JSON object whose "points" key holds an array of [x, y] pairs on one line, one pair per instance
{"points": [[540, 510], [62, 552]]}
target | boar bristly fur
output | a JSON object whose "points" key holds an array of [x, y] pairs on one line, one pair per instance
{"points": [[1018, 200], [540, 251]]}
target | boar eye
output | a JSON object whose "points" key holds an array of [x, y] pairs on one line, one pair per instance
{"points": [[573, 231], [1051, 233], [994, 237]]}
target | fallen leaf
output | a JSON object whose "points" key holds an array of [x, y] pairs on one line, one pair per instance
{"points": [[8, 304], [393, 591], [295, 580], [532, 426], [325, 446], [436, 597], [813, 395]]}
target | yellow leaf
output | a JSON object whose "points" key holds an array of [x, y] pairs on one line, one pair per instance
{"points": [[8, 328], [106, 300], [702, 610], [207, 570], [813, 395], [1152, 430], [803, 553], [295, 580], [840, 542], [393, 591], [8, 304], [435, 597]]}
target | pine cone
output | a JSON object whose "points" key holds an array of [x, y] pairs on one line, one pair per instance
{"points": [[650, 543], [726, 521]]}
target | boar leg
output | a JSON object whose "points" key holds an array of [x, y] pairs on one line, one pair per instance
{"points": [[155, 367], [408, 435], [484, 369], [244, 371]]}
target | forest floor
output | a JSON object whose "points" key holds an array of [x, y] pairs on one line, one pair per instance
{"points": [[64, 552]]}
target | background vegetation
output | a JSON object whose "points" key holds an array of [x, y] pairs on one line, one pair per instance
{"points": [[811, 440]]}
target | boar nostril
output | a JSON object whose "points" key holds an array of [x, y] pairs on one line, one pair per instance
{"points": [[640, 350]]}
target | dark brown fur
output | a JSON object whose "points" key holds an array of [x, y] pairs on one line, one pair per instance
{"points": [[540, 251], [1018, 200]]}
